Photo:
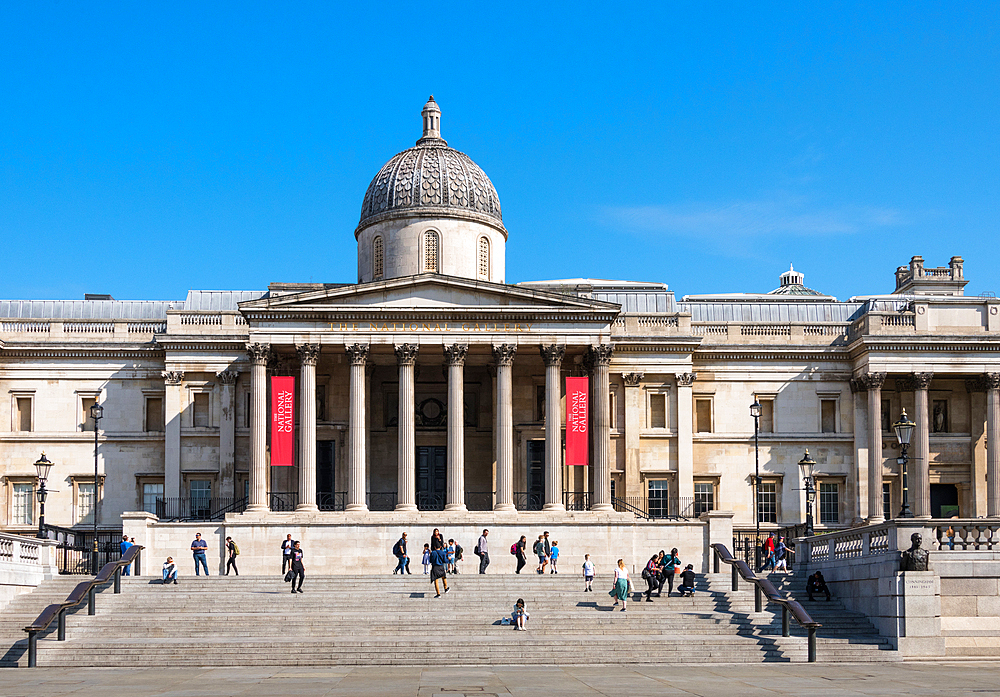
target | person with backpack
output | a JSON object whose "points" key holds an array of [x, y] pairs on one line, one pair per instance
{"points": [[439, 567], [458, 557], [483, 552], [669, 565], [651, 575], [232, 551], [517, 549], [539, 550], [399, 551]]}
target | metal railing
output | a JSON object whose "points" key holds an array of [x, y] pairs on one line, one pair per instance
{"points": [[528, 500], [75, 548], [430, 500], [750, 548], [479, 500], [382, 501], [83, 591], [331, 500], [282, 501], [576, 500], [765, 589], [198, 509], [660, 508]]}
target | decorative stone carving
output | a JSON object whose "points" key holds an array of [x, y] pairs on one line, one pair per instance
{"points": [[358, 353], [173, 377], [632, 379], [991, 381], [553, 354], [258, 353], [227, 377], [308, 353], [914, 382], [872, 381], [406, 354], [455, 354], [857, 386], [915, 558], [685, 379], [601, 354], [503, 354]]}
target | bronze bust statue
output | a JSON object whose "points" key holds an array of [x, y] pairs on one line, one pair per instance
{"points": [[915, 558]]}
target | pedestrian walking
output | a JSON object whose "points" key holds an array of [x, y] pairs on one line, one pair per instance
{"points": [[125, 544], [482, 551], [169, 571], [651, 575], [426, 559], [547, 548], [554, 556], [232, 551], [539, 550], [781, 556], [286, 553], [588, 574], [768, 562], [399, 551], [518, 551], [199, 549], [687, 581], [298, 570], [439, 567], [670, 566], [620, 590]]}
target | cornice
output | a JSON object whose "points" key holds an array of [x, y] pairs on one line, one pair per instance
{"points": [[461, 314], [89, 351], [930, 343]]}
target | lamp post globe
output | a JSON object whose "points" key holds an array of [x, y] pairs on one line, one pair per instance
{"points": [[42, 468], [808, 466], [755, 411], [904, 431], [96, 413]]}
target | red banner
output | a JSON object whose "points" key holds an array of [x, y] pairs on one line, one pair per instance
{"points": [[282, 421], [577, 421]]}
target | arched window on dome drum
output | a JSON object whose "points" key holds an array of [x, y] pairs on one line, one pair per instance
{"points": [[377, 258], [484, 258], [431, 251]]}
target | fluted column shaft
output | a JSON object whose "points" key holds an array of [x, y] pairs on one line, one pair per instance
{"points": [[553, 356], [258, 354], [173, 405], [227, 429], [992, 445], [308, 357], [504, 425], [919, 464], [685, 438], [601, 382], [406, 357], [454, 357], [356, 430], [873, 383]]}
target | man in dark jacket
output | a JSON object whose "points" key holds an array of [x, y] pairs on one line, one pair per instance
{"points": [[817, 584], [399, 551], [298, 570], [687, 581]]}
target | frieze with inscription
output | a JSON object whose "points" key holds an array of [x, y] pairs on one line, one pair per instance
{"points": [[467, 327]]}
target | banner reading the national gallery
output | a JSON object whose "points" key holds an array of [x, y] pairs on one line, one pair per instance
{"points": [[282, 421], [577, 420]]}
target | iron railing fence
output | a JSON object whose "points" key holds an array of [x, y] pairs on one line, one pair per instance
{"points": [[659, 508], [331, 500], [749, 547], [479, 500], [382, 501], [576, 500], [198, 509], [528, 500], [74, 551]]}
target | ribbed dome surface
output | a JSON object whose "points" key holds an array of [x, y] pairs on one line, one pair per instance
{"points": [[431, 177]]}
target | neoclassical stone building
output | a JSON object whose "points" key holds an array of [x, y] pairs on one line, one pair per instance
{"points": [[432, 385]]}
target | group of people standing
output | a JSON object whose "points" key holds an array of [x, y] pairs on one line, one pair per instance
{"points": [[661, 569], [440, 558], [547, 552]]}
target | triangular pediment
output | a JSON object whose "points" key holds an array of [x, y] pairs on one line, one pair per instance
{"points": [[427, 292]]}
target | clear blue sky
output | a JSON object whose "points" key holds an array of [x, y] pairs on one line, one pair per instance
{"points": [[149, 148]]}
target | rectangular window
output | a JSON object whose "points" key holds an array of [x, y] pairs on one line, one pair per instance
{"points": [[704, 497], [829, 503], [23, 508], [613, 408], [201, 497], [85, 502], [767, 502], [828, 415], [150, 494], [657, 411], [658, 494], [22, 414], [86, 420], [154, 414], [939, 416], [766, 415], [201, 409], [703, 415], [887, 500]]}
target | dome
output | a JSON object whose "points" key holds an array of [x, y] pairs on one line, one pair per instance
{"points": [[431, 180], [792, 283]]}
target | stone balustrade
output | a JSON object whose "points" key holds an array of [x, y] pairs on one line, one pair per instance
{"points": [[24, 563]]}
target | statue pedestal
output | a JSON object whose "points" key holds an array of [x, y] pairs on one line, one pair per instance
{"points": [[916, 598]]}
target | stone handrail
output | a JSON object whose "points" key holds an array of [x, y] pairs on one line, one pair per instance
{"points": [[17, 549]]}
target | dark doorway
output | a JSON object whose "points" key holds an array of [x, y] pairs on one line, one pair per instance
{"points": [[535, 496], [944, 500], [326, 496], [432, 472]]}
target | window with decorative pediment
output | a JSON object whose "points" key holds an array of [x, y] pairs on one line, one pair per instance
{"points": [[432, 243], [378, 258], [484, 258]]}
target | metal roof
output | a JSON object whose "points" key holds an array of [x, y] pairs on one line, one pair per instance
{"points": [[219, 300], [772, 311], [87, 309]]}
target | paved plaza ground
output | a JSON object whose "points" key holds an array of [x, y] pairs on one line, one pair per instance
{"points": [[929, 678]]}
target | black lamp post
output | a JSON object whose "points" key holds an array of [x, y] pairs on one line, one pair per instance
{"points": [[96, 413], [42, 468], [808, 465], [755, 413], [904, 429]]}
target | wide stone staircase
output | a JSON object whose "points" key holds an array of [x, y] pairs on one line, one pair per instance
{"points": [[343, 620]]}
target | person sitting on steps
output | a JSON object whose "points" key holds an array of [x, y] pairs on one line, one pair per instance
{"points": [[520, 615], [817, 584]]}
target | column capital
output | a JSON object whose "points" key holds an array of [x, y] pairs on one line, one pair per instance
{"points": [[601, 354], [406, 354], [455, 354], [503, 354], [258, 353], [872, 381], [991, 381], [632, 379], [983, 383], [685, 379], [358, 353], [552, 354], [914, 382], [173, 377], [857, 385], [308, 353], [227, 377]]}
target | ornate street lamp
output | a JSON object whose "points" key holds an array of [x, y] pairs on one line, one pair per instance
{"points": [[96, 413], [808, 465], [755, 413], [904, 429], [42, 468]]}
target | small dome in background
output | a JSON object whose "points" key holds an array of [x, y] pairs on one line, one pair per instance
{"points": [[792, 284]]}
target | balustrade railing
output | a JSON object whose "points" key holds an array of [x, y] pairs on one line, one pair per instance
{"points": [[382, 501], [479, 500], [528, 500], [331, 500], [75, 548], [576, 500]]}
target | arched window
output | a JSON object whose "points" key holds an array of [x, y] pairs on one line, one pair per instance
{"points": [[377, 258], [484, 258], [431, 252]]}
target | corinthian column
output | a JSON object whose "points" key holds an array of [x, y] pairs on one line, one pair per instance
{"points": [[503, 355], [992, 383], [920, 462], [600, 356], [685, 438], [173, 405], [406, 357], [553, 356], [873, 383], [356, 430], [258, 354], [454, 358], [308, 357]]}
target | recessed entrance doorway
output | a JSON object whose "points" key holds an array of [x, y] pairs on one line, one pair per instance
{"points": [[432, 472]]}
